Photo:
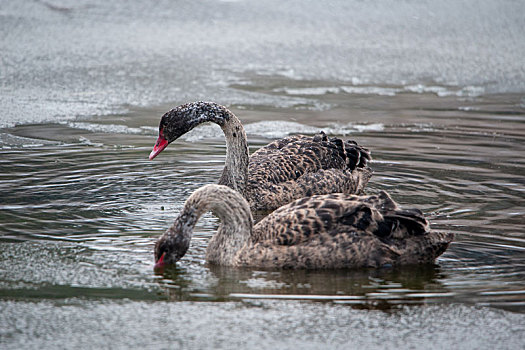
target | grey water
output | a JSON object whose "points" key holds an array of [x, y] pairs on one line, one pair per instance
{"points": [[436, 90]]}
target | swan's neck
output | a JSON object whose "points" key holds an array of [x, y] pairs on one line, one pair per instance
{"points": [[235, 217], [184, 118], [235, 173]]}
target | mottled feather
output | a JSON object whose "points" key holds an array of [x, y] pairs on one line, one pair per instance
{"points": [[300, 166], [338, 230]]}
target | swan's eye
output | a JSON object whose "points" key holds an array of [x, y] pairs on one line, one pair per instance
{"points": [[163, 123]]}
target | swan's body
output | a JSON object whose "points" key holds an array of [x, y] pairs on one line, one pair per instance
{"points": [[284, 170], [320, 232]]}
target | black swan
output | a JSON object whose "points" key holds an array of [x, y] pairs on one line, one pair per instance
{"points": [[284, 170], [319, 232]]}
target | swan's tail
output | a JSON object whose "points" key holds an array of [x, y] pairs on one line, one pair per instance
{"points": [[408, 231], [356, 156]]}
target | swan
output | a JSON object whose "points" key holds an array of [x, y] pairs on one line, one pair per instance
{"points": [[319, 232], [286, 169]]}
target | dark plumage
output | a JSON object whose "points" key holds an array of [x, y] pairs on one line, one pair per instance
{"points": [[282, 171], [320, 232]]}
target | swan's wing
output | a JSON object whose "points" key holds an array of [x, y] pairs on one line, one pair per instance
{"points": [[339, 230], [317, 254], [271, 196], [299, 166], [316, 217], [359, 251], [340, 217], [291, 157], [328, 231]]}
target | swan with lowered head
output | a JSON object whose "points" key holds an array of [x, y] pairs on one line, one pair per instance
{"points": [[284, 170], [319, 232]]}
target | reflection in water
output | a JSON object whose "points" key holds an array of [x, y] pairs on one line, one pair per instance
{"points": [[382, 288]]}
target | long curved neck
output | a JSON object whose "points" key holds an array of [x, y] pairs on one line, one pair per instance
{"points": [[184, 118], [235, 217], [235, 173]]}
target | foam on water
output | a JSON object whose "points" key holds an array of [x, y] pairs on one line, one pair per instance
{"points": [[441, 91], [112, 128], [8, 141]]}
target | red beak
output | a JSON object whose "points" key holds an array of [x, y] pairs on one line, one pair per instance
{"points": [[159, 147], [160, 263]]}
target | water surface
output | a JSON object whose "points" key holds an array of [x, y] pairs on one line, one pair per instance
{"points": [[433, 90], [82, 208]]}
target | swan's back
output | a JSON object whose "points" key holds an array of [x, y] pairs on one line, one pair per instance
{"points": [[340, 231], [300, 166]]}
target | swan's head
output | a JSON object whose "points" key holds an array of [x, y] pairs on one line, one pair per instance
{"points": [[173, 125], [184, 118], [174, 243]]}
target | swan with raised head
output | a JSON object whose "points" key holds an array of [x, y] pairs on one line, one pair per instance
{"points": [[286, 169], [319, 232]]}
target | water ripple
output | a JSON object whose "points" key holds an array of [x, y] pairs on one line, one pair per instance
{"points": [[94, 208]]}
